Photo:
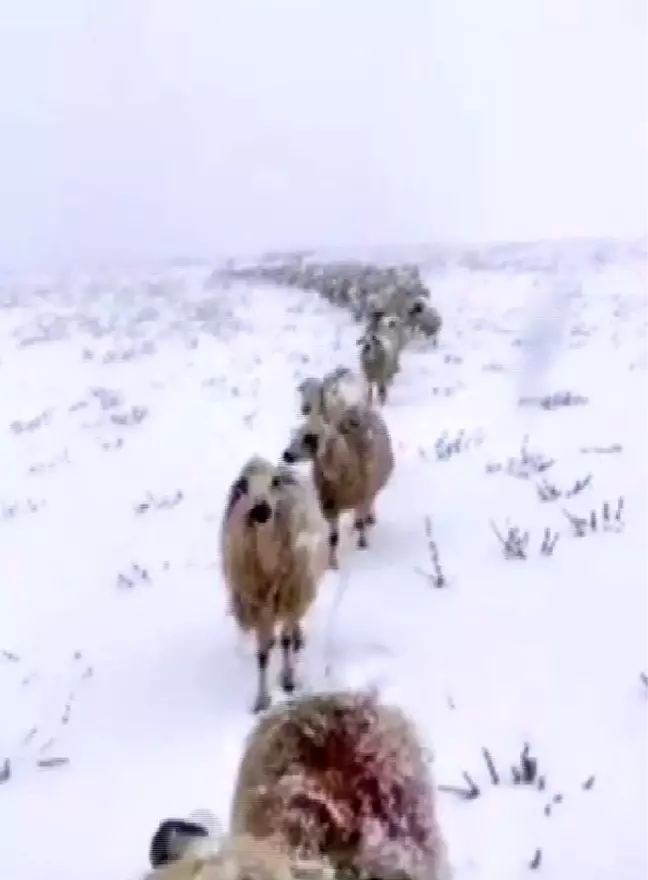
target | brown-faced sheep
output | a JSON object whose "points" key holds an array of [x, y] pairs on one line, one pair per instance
{"points": [[274, 553], [353, 459], [379, 361], [340, 782]]}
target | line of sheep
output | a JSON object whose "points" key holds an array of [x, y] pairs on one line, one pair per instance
{"points": [[364, 289], [276, 525], [334, 785]]}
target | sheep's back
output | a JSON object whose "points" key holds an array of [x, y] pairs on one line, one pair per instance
{"points": [[344, 492], [364, 763], [362, 474]]}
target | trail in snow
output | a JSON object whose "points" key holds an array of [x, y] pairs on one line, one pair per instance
{"points": [[129, 403]]}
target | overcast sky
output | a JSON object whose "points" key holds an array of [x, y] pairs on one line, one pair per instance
{"points": [[159, 128]]}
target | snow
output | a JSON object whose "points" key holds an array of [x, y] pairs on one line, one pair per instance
{"points": [[116, 652]]}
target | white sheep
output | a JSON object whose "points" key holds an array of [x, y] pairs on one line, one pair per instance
{"points": [[326, 397], [274, 553], [380, 361]]}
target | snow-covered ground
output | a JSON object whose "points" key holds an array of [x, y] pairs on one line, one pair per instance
{"points": [[128, 403]]}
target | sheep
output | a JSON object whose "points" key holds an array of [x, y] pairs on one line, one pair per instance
{"points": [[310, 393], [426, 320], [380, 362], [274, 553], [174, 839], [328, 396], [395, 328], [181, 856], [337, 781], [352, 459]]}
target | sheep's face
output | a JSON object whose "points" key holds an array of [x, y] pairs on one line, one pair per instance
{"points": [[303, 445], [371, 345], [391, 323], [417, 308], [310, 395], [262, 490]]}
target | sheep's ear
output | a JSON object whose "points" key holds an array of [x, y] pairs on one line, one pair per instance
{"points": [[240, 487]]}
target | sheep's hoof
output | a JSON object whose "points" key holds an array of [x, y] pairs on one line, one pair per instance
{"points": [[261, 703], [362, 541]]}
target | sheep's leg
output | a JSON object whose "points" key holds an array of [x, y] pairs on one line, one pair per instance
{"points": [[364, 518], [298, 638], [382, 393], [370, 393], [292, 641], [360, 526], [265, 644], [334, 540]]}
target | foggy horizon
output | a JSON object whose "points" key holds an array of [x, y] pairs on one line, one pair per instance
{"points": [[150, 131]]}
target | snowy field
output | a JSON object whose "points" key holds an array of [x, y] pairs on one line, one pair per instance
{"points": [[128, 403]]}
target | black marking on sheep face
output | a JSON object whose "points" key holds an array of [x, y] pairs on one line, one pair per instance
{"points": [[259, 513], [311, 442], [170, 841], [289, 457], [416, 309], [238, 490], [306, 408]]}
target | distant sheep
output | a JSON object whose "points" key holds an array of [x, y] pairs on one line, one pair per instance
{"points": [[326, 397], [332, 784], [394, 327], [425, 320], [274, 553], [353, 460], [379, 361]]}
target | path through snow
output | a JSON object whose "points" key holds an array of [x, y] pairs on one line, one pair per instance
{"points": [[127, 406]]}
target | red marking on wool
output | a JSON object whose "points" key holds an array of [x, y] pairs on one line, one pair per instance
{"points": [[365, 780]]}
